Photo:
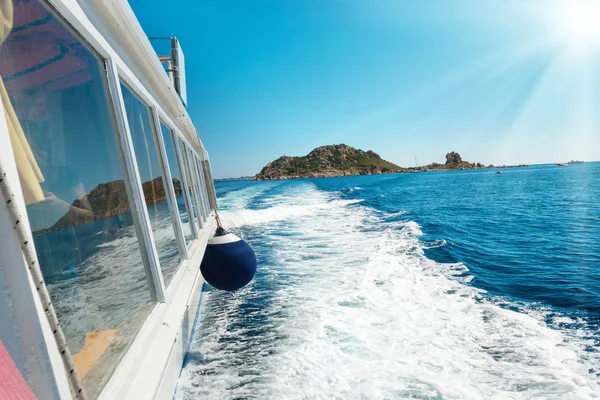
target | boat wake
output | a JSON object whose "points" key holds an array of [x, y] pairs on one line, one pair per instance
{"points": [[346, 305]]}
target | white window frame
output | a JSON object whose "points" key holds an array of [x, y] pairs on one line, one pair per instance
{"points": [[212, 196], [194, 181], [203, 190], [133, 185], [167, 178], [200, 186], [185, 182]]}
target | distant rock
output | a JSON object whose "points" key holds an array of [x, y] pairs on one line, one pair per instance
{"points": [[453, 158], [327, 161], [454, 162], [108, 199]]}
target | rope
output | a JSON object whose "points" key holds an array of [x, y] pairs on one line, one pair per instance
{"points": [[29, 253]]}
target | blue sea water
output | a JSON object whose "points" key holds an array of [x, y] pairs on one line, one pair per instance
{"points": [[445, 285]]}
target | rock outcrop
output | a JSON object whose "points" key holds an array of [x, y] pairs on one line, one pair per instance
{"points": [[108, 199], [453, 162], [453, 158], [327, 161]]}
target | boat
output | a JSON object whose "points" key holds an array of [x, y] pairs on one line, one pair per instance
{"points": [[498, 172], [561, 164], [575, 162], [91, 112]]}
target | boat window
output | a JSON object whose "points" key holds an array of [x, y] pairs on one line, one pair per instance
{"points": [[153, 186], [177, 181], [209, 182], [59, 122], [190, 180], [196, 186], [202, 187]]}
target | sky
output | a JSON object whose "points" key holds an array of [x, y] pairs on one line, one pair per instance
{"points": [[501, 82]]}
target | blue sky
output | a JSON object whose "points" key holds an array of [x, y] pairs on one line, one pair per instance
{"points": [[498, 81]]}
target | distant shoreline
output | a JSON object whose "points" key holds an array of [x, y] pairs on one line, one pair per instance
{"points": [[412, 170]]}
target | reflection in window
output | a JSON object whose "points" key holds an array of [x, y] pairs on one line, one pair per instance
{"points": [[208, 178], [205, 187], [176, 175], [190, 181], [202, 188], [196, 186], [68, 163], [155, 191]]}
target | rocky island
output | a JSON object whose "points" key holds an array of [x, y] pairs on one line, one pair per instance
{"points": [[327, 161], [453, 162], [343, 160], [108, 199]]}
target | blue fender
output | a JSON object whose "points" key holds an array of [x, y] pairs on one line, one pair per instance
{"points": [[229, 263]]}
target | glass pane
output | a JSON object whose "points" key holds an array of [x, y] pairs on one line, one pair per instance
{"points": [[209, 182], [202, 187], [195, 186], [177, 181], [68, 161], [155, 191], [190, 180]]}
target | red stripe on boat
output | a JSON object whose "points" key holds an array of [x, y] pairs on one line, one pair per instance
{"points": [[12, 383]]}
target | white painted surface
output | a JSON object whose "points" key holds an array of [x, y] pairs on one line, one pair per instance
{"points": [[133, 185], [168, 180], [24, 329], [171, 375], [229, 238], [151, 366]]}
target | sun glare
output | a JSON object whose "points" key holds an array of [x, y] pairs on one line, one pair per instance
{"points": [[580, 22]]}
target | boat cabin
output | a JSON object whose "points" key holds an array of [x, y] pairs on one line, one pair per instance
{"points": [[106, 206]]}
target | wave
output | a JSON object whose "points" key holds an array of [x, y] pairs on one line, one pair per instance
{"points": [[241, 218], [346, 305], [240, 199], [395, 214], [434, 244]]}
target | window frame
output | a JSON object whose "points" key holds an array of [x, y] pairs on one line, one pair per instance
{"points": [[193, 181], [167, 177], [185, 182], [194, 166], [165, 173], [212, 196], [203, 191], [133, 183]]}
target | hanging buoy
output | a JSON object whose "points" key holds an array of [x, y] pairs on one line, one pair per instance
{"points": [[229, 263]]}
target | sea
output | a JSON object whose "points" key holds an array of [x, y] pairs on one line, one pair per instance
{"points": [[437, 285]]}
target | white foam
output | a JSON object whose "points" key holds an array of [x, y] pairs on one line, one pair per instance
{"points": [[356, 311], [240, 218], [434, 244], [240, 199]]}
